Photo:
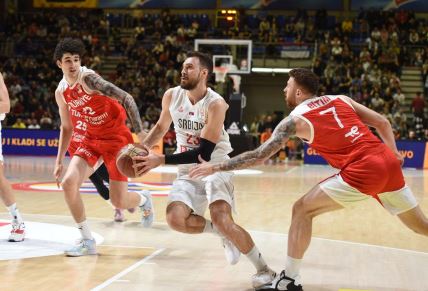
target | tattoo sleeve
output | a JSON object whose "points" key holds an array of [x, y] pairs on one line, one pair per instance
{"points": [[97, 83], [280, 136]]}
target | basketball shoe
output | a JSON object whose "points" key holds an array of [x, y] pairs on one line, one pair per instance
{"points": [[17, 233], [282, 283], [119, 216], [263, 277], [84, 247], [147, 209], [231, 251]]}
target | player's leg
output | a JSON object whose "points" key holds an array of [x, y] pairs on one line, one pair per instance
{"points": [[187, 204], [18, 228], [180, 217], [416, 220], [403, 203], [119, 195], [312, 204], [98, 178], [121, 198], [221, 215], [77, 171]]}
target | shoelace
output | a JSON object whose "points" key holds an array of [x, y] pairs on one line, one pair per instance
{"points": [[282, 276]]}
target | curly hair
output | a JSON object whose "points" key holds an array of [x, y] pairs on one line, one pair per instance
{"points": [[73, 46], [305, 78]]}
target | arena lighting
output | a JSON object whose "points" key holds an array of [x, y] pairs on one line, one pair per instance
{"points": [[271, 70], [229, 18]]}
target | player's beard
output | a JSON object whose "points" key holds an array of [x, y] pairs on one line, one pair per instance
{"points": [[189, 84], [291, 100]]}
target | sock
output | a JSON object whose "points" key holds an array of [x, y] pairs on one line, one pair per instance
{"points": [[256, 259], [292, 268], [84, 230], [143, 199], [14, 212], [209, 227]]}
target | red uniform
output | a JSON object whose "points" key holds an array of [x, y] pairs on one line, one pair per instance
{"points": [[347, 144], [99, 125]]}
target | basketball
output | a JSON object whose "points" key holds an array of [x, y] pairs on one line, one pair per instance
{"points": [[124, 160]]}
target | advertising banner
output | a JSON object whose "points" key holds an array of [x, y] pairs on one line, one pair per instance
{"points": [[65, 4], [158, 4], [415, 5], [412, 151], [34, 142], [283, 5]]}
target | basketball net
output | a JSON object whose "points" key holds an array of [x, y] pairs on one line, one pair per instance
{"points": [[220, 74]]}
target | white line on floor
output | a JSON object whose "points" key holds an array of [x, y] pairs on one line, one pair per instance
{"points": [[127, 270]]}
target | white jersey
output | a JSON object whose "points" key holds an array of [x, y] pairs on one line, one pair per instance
{"points": [[189, 120]]}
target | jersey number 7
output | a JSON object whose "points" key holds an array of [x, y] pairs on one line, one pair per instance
{"points": [[335, 115]]}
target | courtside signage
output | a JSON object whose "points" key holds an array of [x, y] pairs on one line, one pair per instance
{"points": [[412, 151]]}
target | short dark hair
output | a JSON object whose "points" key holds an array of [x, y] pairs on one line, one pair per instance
{"points": [[205, 60], [305, 78], [73, 46]]}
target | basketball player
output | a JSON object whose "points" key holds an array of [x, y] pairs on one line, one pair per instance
{"points": [[335, 127], [198, 114], [101, 173], [95, 104], [18, 228]]}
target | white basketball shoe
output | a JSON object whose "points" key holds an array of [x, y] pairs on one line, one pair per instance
{"points": [[17, 234]]}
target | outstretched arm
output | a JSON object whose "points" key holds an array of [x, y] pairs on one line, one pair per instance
{"points": [[281, 134], [97, 83]]}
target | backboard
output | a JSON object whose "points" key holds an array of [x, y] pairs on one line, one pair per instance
{"points": [[236, 54]]}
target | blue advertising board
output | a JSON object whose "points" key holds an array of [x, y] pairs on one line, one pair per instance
{"points": [[158, 4], [415, 5], [34, 142], [412, 151], [283, 5]]}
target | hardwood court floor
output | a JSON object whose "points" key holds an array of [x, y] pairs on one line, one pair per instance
{"points": [[363, 248]]}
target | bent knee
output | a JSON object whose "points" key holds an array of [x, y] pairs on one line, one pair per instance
{"points": [[175, 220]]}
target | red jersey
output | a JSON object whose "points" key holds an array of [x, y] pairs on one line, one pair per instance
{"points": [[101, 117], [99, 129], [339, 136], [337, 132]]}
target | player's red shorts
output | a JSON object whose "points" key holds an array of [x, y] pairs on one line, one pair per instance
{"points": [[91, 150], [375, 172]]}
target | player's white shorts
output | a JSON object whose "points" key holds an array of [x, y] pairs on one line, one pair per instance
{"points": [[395, 202], [199, 193]]}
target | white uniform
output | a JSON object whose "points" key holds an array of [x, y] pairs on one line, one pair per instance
{"points": [[188, 121], [2, 117]]}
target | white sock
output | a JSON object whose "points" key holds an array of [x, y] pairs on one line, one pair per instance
{"points": [[292, 268], [84, 230], [256, 259], [143, 199], [14, 212], [209, 227]]}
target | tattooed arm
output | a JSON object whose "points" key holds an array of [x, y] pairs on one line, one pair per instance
{"points": [[97, 83], [281, 134]]}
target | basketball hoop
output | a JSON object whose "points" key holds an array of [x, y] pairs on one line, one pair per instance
{"points": [[220, 74]]}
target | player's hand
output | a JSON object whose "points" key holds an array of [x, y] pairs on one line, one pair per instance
{"points": [[201, 170], [399, 157], [143, 164], [57, 173]]}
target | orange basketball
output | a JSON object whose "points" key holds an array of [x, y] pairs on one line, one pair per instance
{"points": [[124, 160]]}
